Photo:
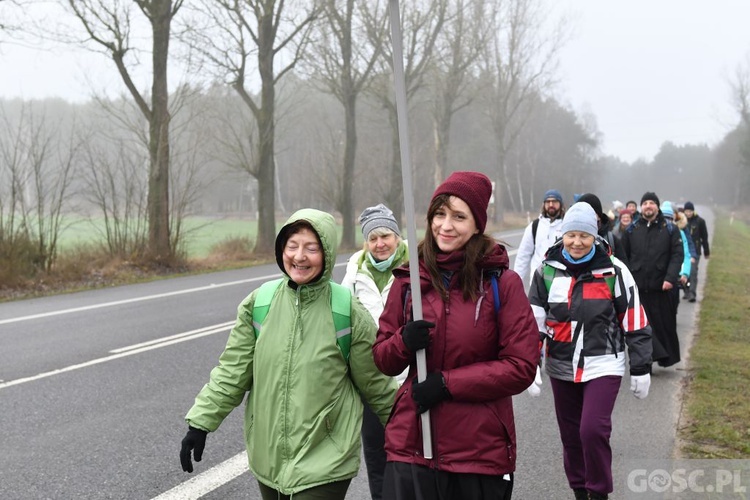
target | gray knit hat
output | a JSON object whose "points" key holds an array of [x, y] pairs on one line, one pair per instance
{"points": [[580, 217], [378, 216]]}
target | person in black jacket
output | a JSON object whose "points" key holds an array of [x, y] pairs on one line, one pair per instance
{"points": [[697, 230], [654, 249]]}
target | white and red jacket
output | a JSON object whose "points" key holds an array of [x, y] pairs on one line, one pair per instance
{"points": [[588, 316]]}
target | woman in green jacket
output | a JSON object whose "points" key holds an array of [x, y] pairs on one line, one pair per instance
{"points": [[304, 413]]}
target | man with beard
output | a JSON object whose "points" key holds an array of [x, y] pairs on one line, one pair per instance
{"points": [[654, 249], [540, 235]]}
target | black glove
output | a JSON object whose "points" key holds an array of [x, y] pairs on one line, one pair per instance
{"points": [[430, 392], [416, 334], [195, 439]]}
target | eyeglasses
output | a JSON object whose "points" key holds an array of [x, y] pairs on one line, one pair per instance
{"points": [[551, 201]]}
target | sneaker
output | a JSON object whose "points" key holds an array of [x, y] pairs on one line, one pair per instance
{"points": [[692, 299]]}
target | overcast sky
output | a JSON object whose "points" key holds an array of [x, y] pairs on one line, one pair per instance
{"points": [[649, 70]]}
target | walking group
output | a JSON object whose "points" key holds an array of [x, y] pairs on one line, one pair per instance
{"points": [[327, 370]]}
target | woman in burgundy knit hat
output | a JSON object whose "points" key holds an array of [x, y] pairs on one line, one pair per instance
{"points": [[481, 343]]}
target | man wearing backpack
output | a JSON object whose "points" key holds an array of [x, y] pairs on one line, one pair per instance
{"points": [[540, 235], [653, 246], [697, 230], [303, 384]]}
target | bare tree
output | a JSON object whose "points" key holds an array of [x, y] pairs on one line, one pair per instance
{"points": [[740, 87], [10, 14], [462, 40], [115, 183], [422, 21], [108, 25], [38, 163], [520, 65], [740, 91], [269, 35], [344, 58]]}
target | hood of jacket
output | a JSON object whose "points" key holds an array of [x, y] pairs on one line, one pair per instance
{"points": [[324, 226]]}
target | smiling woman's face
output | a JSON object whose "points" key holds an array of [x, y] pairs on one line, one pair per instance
{"points": [[303, 256], [453, 225], [578, 243]]}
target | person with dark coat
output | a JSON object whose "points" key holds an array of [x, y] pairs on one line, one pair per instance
{"points": [[603, 226], [481, 344], [697, 230], [587, 309], [633, 207], [655, 255]]}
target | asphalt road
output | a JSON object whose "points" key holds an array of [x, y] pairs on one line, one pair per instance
{"points": [[94, 387]]}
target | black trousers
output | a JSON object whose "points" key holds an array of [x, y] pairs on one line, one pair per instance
{"points": [[662, 315], [330, 491], [373, 442], [404, 481]]}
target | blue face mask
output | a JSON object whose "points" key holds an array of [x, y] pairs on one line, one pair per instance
{"points": [[585, 258], [383, 265]]}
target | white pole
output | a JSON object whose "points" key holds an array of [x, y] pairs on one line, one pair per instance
{"points": [[411, 229]]}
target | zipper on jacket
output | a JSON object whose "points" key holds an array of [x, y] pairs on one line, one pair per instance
{"points": [[286, 388]]}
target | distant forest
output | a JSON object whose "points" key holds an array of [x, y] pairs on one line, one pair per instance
{"points": [[210, 164]]}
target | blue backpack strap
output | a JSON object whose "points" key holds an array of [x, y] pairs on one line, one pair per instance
{"points": [[263, 303], [341, 305], [495, 292]]}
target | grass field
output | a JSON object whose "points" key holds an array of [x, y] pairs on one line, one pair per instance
{"points": [[201, 233], [716, 412]]}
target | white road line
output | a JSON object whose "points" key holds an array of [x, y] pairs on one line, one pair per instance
{"points": [[208, 481], [221, 326], [119, 355], [134, 299], [140, 299]]}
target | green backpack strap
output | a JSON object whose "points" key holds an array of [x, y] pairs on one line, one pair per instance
{"points": [[549, 276], [341, 306], [610, 279], [263, 302]]}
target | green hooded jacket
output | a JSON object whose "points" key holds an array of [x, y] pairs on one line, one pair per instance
{"points": [[303, 414]]}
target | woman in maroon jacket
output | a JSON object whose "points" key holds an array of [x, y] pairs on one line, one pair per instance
{"points": [[482, 348]]}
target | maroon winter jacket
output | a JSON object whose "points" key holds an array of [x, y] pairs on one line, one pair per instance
{"points": [[485, 358]]}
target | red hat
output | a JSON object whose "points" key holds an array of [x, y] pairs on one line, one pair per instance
{"points": [[473, 188]]}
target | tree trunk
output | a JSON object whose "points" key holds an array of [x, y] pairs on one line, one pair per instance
{"points": [[501, 183], [442, 143], [395, 196], [347, 185], [158, 185], [266, 238]]}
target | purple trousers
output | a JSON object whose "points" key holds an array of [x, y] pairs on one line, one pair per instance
{"points": [[584, 416]]}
